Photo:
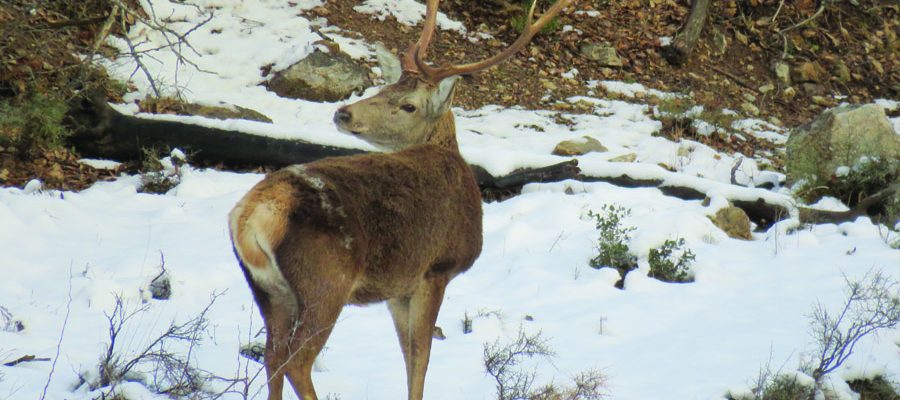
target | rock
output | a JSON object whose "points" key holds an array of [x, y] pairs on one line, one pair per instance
{"points": [[226, 112], [842, 72], [783, 73], [720, 42], [625, 158], [839, 137], [809, 71], [789, 93], [734, 222], [750, 109], [160, 287], [822, 101], [255, 351], [766, 88], [321, 76], [603, 54], [549, 85], [580, 146]]}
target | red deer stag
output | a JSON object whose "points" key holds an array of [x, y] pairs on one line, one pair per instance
{"points": [[361, 229]]}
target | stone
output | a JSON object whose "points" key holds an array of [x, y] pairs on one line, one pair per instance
{"points": [[625, 158], [720, 42], [160, 287], [321, 76], [750, 109], [839, 137], [226, 112], [604, 54], [580, 146], [808, 71], [842, 72], [788, 93], [734, 222], [783, 73]]}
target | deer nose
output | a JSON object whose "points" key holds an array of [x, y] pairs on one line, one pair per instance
{"points": [[343, 116]]}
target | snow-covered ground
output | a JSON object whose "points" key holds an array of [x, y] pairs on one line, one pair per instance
{"points": [[68, 255]]}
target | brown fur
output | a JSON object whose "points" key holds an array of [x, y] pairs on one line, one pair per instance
{"points": [[356, 230]]}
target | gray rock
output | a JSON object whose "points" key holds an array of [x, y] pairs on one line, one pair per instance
{"points": [[160, 287], [580, 146], [225, 112], [734, 222], [626, 158], [603, 54], [783, 72], [750, 109], [321, 76], [839, 137], [720, 42]]}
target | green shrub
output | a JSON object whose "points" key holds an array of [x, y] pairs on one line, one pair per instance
{"points": [[32, 124], [874, 388], [669, 263], [613, 241]]}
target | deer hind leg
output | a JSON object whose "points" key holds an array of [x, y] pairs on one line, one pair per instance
{"points": [[278, 321], [323, 284], [414, 318]]}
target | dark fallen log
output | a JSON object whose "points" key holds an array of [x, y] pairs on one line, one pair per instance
{"points": [[101, 131], [763, 214], [678, 52]]}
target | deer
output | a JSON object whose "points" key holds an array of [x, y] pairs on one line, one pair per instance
{"points": [[394, 226]]}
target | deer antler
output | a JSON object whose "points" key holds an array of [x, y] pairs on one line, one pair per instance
{"points": [[408, 61], [413, 61]]}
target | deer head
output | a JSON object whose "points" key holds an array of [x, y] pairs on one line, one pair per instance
{"points": [[406, 112]]}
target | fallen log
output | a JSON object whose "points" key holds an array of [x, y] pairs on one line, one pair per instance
{"points": [[106, 133], [103, 132]]}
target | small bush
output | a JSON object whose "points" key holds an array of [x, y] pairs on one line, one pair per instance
{"points": [[669, 263], [32, 125], [874, 388], [159, 175], [852, 184], [613, 241], [502, 361], [780, 387]]}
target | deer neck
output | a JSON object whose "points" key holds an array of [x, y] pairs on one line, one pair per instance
{"points": [[443, 134]]}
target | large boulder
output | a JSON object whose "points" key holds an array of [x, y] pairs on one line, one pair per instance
{"points": [[321, 76], [840, 137]]}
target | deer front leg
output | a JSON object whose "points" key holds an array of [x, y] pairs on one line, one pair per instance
{"points": [[414, 318]]}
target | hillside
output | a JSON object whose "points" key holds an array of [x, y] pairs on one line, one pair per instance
{"points": [[80, 264]]}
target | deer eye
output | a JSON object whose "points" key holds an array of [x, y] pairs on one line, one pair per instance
{"points": [[408, 108]]}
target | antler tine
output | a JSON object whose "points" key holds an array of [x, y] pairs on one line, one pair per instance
{"points": [[421, 46], [435, 75]]}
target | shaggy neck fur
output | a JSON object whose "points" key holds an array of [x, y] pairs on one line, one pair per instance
{"points": [[443, 134]]}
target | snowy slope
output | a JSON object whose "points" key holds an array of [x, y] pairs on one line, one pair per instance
{"points": [[654, 340]]}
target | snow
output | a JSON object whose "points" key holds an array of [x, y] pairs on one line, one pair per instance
{"points": [[748, 306]]}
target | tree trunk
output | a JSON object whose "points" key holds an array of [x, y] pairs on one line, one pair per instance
{"points": [[679, 51]]}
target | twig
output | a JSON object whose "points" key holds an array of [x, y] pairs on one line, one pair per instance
{"points": [[28, 358], [62, 333], [806, 21], [735, 78], [774, 17]]}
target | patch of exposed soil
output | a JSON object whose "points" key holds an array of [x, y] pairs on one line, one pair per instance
{"points": [[845, 53]]}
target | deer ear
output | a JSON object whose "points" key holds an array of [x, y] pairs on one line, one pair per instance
{"points": [[443, 95], [391, 68]]}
